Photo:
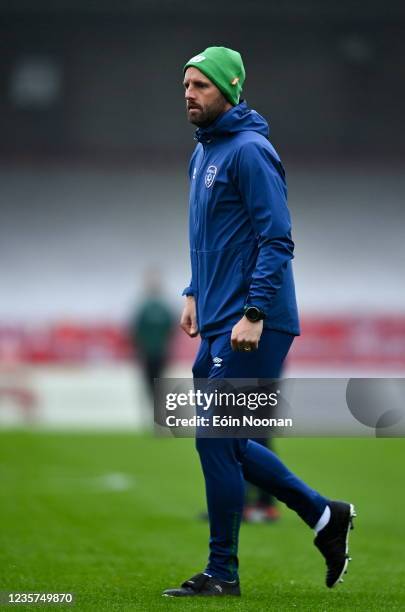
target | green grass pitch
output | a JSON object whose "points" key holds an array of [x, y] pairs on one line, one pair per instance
{"points": [[112, 518]]}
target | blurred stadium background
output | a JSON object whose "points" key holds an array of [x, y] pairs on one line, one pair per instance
{"points": [[94, 147]]}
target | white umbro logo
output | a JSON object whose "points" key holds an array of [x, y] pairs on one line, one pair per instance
{"points": [[217, 361]]}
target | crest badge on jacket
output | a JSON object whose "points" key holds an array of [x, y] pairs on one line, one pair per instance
{"points": [[210, 176]]}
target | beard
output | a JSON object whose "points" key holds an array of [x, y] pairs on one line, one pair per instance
{"points": [[202, 117]]}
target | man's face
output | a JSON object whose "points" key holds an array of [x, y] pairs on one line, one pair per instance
{"points": [[204, 101]]}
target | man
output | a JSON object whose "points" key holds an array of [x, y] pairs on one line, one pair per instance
{"points": [[241, 301], [151, 328]]}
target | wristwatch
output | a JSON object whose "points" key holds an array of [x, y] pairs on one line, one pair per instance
{"points": [[253, 314]]}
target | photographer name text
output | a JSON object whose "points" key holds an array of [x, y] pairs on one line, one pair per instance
{"points": [[226, 421]]}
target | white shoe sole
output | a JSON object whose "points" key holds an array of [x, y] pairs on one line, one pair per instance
{"points": [[349, 527]]}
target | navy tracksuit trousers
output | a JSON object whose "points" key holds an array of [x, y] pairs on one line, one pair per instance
{"points": [[227, 462]]}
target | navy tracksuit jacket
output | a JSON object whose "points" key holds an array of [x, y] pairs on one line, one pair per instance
{"points": [[240, 229], [241, 251]]}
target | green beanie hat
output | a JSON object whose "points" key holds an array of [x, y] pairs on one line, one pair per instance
{"points": [[224, 67]]}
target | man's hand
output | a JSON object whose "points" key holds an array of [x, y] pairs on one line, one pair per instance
{"points": [[246, 335], [188, 321]]}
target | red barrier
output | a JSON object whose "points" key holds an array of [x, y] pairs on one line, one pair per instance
{"points": [[338, 340]]}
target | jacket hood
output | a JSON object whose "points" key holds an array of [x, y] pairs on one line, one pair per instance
{"points": [[239, 118]]}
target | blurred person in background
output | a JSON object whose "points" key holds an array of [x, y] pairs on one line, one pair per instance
{"points": [[151, 329], [241, 300]]}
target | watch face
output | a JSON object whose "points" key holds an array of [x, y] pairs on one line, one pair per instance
{"points": [[253, 313]]}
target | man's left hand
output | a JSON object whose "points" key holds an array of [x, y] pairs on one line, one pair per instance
{"points": [[246, 335]]}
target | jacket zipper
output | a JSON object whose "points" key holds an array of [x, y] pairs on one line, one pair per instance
{"points": [[198, 224], [197, 201]]}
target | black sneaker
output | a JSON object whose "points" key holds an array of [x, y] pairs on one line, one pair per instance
{"points": [[333, 541], [204, 586]]}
